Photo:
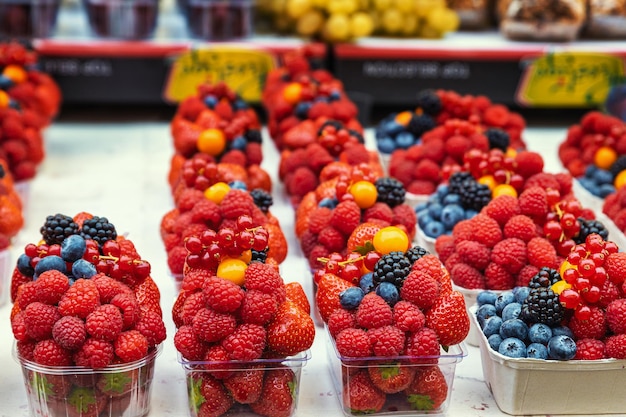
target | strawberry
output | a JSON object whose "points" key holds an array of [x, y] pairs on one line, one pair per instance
{"points": [[296, 294], [449, 319], [279, 391], [51, 386], [391, 378], [428, 390], [245, 385], [361, 396], [207, 395], [85, 402], [291, 331], [327, 296], [117, 384]]}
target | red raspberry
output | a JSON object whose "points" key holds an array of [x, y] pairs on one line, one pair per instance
{"points": [[456, 146], [318, 251], [401, 169], [497, 115], [319, 218], [246, 343], [257, 307], [332, 239], [51, 285], [353, 343], [485, 230], [26, 294], [565, 181], [510, 254], [420, 288], [533, 202], [467, 276], [318, 158], [474, 254], [188, 198], [49, 353], [346, 217], [463, 230], [520, 227], [427, 170], [19, 328], [26, 349], [39, 318], [192, 303], [422, 344], [378, 211], [218, 358], [386, 341], [235, 157], [620, 219], [339, 320], [131, 346], [355, 154], [265, 278], [128, 305], [444, 246], [431, 264], [589, 349], [188, 344], [544, 180], [291, 160], [421, 187], [301, 181], [152, 327], [222, 295], [407, 316], [608, 293], [211, 326], [615, 265], [254, 153], [593, 328], [528, 163], [541, 253], [616, 316], [206, 212], [373, 312], [615, 347], [17, 279], [69, 332], [105, 322], [94, 354], [502, 208], [435, 150], [404, 215], [236, 203], [525, 275], [194, 279], [107, 287], [498, 278]]}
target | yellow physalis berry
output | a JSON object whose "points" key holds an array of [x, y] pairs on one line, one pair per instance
{"points": [[15, 73], [246, 256], [620, 180], [510, 152], [488, 180], [217, 191], [364, 193], [403, 118], [233, 270], [211, 141], [559, 286], [292, 93], [4, 99], [503, 189], [604, 157], [390, 239]]}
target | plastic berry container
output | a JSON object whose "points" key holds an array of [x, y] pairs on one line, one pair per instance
{"points": [[114, 391], [281, 374], [28, 18], [5, 274], [218, 20], [122, 19], [470, 295], [347, 371]]}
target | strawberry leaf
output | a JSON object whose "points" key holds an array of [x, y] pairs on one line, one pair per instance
{"points": [[364, 249]]}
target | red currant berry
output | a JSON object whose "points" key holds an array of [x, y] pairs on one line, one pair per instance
{"points": [[582, 284], [570, 224], [318, 275], [245, 239], [586, 267], [194, 260], [599, 276], [226, 237], [370, 260], [592, 295], [570, 275], [141, 269], [351, 273], [573, 257], [552, 230], [208, 236], [598, 258], [594, 243], [565, 247], [569, 298], [244, 222], [583, 313], [554, 196], [574, 207], [30, 250], [517, 181], [193, 244], [54, 250], [611, 247]]}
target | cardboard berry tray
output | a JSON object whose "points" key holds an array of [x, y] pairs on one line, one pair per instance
{"points": [[536, 386], [114, 391]]}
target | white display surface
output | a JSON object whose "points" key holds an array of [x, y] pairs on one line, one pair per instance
{"points": [[119, 171]]}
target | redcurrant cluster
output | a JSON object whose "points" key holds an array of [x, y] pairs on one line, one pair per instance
{"points": [[493, 168], [200, 172], [334, 137], [350, 267], [358, 173], [211, 247], [561, 224], [584, 275]]}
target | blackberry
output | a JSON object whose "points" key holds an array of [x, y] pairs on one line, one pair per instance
{"points": [[253, 136], [415, 253], [618, 166], [429, 102], [474, 196], [420, 124], [392, 267], [262, 199], [546, 277], [259, 255], [542, 306], [390, 191], [588, 227], [455, 182], [57, 228], [498, 139], [98, 229]]}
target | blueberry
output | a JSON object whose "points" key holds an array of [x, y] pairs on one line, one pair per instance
{"points": [[486, 297], [240, 104], [521, 293], [23, 265], [367, 282], [512, 347], [503, 299], [238, 185], [589, 185], [494, 341], [73, 248], [434, 210], [334, 95], [451, 215], [83, 269], [602, 176], [388, 292], [537, 351], [442, 190], [605, 190], [452, 199], [330, 203], [511, 311], [239, 143], [52, 262], [321, 99], [5, 82], [469, 214], [302, 109], [421, 206], [492, 325], [539, 333], [590, 171], [386, 145], [514, 328], [350, 298], [210, 101], [433, 198], [562, 330], [404, 140], [484, 312], [561, 348], [392, 127], [434, 229], [423, 219]]}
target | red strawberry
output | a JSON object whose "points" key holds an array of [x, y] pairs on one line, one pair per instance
{"points": [[391, 378], [449, 319], [291, 331], [360, 396], [117, 384], [296, 294], [245, 385], [428, 390], [278, 394], [207, 395], [85, 402], [327, 296]]}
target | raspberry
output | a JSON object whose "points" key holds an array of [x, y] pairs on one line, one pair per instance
{"points": [[206, 212], [404, 215], [407, 316], [474, 254], [188, 344], [49, 353], [18, 327], [427, 170], [176, 259], [615, 265], [291, 160], [608, 293], [301, 181], [26, 349], [498, 278], [131, 346], [346, 217], [218, 359], [373, 312], [431, 264], [222, 295], [456, 146], [444, 246], [105, 322], [616, 316], [525, 275], [353, 343], [541, 253], [589, 349], [246, 343], [254, 153], [402, 170], [528, 163], [485, 230], [421, 344], [94, 354], [339, 320], [497, 115], [39, 319], [318, 251], [533, 202], [379, 211], [236, 203], [51, 285], [107, 287], [265, 278], [420, 288], [544, 180], [234, 156], [128, 305], [502, 208], [520, 227], [332, 239], [188, 198], [319, 218], [510, 254], [318, 158], [211, 326], [435, 151], [26, 294], [386, 341], [152, 327], [615, 347], [467, 276], [593, 328]]}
